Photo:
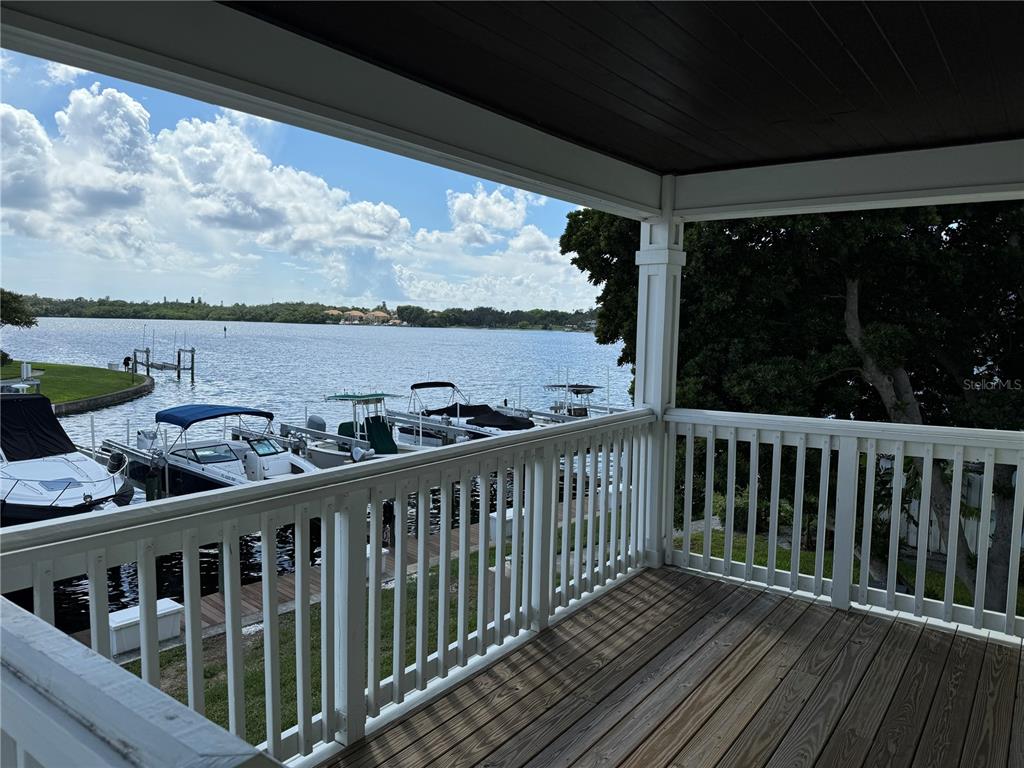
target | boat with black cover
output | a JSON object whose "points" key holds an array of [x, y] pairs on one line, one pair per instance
{"points": [[43, 475], [456, 419]]}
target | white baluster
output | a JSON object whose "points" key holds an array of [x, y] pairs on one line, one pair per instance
{"points": [[924, 515], [271, 632], [868, 518], [823, 485], [99, 623], [303, 694], [444, 568], [730, 501], [149, 637], [984, 537], [233, 629]]}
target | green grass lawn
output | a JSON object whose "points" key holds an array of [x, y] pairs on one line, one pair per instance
{"points": [[934, 584], [783, 557], [173, 674], [63, 383]]}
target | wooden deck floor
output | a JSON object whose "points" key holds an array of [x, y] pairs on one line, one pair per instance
{"points": [[675, 670]]}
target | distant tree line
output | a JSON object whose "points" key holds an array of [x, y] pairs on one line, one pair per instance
{"points": [[192, 309], [195, 308], [489, 317]]}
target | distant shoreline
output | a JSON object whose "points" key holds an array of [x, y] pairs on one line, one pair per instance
{"points": [[564, 329], [312, 313]]}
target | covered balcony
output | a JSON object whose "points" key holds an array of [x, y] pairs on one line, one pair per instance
{"points": [[647, 588]]}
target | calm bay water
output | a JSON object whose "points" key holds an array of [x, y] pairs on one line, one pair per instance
{"points": [[289, 369]]}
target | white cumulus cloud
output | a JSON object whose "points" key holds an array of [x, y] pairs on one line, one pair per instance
{"points": [[202, 198], [62, 74], [7, 65]]}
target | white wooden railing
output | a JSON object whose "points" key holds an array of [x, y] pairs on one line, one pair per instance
{"points": [[844, 464], [575, 523], [63, 705]]}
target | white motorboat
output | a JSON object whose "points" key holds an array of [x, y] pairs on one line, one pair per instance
{"points": [[43, 475], [456, 420], [189, 465]]}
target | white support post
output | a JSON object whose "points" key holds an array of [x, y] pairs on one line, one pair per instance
{"points": [[350, 632], [846, 503], [660, 259], [540, 543]]}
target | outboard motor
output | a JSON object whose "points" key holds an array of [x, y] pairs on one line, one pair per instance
{"points": [[145, 439], [253, 465], [316, 422], [116, 462]]}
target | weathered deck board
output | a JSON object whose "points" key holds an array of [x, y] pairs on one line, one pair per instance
{"points": [[572, 630], [987, 744], [943, 737], [677, 670], [502, 710], [853, 736], [896, 740], [1017, 725], [755, 744], [714, 738]]}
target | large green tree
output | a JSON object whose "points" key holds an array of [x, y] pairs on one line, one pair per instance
{"points": [[14, 311], [913, 315]]}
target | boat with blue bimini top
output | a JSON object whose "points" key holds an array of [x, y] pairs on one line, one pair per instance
{"points": [[190, 464], [43, 475]]}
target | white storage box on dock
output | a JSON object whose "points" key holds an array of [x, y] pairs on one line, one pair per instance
{"points": [[114, 366], [493, 523], [126, 630]]}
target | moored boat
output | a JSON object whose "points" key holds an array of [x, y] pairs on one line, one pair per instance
{"points": [[454, 420], [43, 475], [189, 465]]}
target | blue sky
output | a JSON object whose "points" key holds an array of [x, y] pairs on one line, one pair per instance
{"points": [[112, 188]]}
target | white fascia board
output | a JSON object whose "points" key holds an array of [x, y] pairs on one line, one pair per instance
{"points": [[209, 52], [969, 173]]}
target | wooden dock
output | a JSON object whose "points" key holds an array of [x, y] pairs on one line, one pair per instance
{"points": [[251, 597]]}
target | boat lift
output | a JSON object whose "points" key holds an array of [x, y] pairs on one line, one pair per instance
{"points": [[143, 357]]}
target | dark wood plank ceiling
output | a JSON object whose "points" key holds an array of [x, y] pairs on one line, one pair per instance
{"points": [[686, 87]]}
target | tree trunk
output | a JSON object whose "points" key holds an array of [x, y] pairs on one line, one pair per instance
{"points": [[897, 394]]}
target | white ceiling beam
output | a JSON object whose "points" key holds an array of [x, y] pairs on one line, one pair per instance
{"points": [[212, 53], [971, 173]]}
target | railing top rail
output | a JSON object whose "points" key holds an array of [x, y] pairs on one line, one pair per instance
{"points": [[291, 490], [985, 438], [116, 711]]}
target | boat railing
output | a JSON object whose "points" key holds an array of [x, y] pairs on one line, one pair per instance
{"points": [[380, 648], [432, 424], [287, 430]]}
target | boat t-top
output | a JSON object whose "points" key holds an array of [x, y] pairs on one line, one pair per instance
{"points": [[574, 399], [43, 475], [188, 465], [367, 435]]}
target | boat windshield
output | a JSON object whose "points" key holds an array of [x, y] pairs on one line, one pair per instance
{"points": [[214, 454], [265, 447]]}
